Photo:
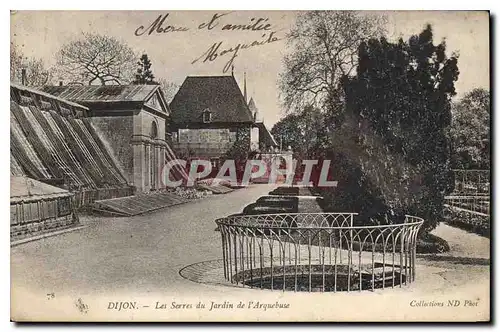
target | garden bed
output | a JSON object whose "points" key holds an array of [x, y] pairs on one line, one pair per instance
{"points": [[477, 223]]}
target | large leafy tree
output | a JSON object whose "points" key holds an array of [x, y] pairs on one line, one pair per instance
{"points": [[470, 130], [288, 134], [324, 48], [96, 58], [399, 111], [304, 132]]}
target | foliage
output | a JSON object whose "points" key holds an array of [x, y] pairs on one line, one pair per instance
{"points": [[239, 152], [324, 47], [240, 149], [16, 58], [354, 192], [469, 221], [429, 243], [387, 129], [36, 74], [470, 130], [287, 132], [144, 74], [304, 132], [96, 57], [399, 110]]}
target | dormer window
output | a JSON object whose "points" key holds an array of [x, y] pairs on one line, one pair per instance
{"points": [[207, 116]]}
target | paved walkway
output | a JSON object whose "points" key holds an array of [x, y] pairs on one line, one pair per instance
{"points": [[142, 253]]}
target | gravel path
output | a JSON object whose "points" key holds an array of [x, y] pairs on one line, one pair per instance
{"points": [[466, 264], [134, 258], [141, 253], [146, 252]]}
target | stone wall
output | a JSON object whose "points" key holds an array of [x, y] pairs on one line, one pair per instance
{"points": [[137, 142], [40, 227], [241, 140], [116, 133]]}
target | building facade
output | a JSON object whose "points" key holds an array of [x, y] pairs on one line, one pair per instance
{"points": [[132, 121]]}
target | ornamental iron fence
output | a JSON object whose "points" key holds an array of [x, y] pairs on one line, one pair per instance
{"points": [[317, 252]]}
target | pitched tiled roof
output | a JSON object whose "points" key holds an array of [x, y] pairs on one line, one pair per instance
{"points": [[99, 93], [265, 135], [252, 106], [220, 94]]}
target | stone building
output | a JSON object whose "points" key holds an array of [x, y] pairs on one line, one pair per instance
{"points": [[210, 117], [131, 120]]}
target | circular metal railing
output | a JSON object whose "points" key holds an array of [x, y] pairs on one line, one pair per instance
{"points": [[317, 252]]}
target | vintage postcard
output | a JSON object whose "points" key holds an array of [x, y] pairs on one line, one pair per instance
{"points": [[320, 166]]}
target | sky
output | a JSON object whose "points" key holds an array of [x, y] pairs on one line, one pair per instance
{"points": [[42, 33]]}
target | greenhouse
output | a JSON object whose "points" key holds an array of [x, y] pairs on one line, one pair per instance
{"points": [[36, 207]]}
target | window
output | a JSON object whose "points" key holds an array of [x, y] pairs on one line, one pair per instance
{"points": [[154, 130], [64, 206], [26, 213], [184, 136], [207, 116]]}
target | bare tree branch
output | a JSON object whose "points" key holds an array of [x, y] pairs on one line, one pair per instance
{"points": [[36, 74], [169, 88], [97, 57]]}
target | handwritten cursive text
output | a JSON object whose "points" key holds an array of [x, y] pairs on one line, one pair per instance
{"points": [[216, 50], [157, 26]]}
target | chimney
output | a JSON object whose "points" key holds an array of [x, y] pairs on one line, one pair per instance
{"points": [[23, 76], [245, 87]]}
